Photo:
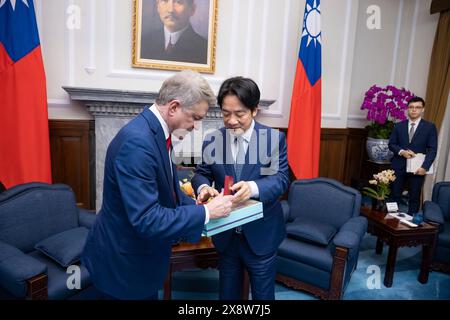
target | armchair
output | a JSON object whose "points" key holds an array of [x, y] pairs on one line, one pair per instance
{"points": [[42, 234], [324, 232], [437, 211]]}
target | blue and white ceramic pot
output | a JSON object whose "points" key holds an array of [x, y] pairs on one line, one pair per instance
{"points": [[378, 150]]}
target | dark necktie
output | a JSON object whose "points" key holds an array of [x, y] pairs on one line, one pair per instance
{"points": [[240, 157], [411, 131], [169, 46]]}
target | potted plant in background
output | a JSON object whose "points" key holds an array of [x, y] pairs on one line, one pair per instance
{"points": [[382, 190], [385, 106]]}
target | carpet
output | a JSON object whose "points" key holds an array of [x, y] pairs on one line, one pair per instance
{"points": [[198, 284]]}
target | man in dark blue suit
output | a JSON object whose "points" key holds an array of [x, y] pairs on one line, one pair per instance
{"points": [[255, 155], [144, 212], [409, 137]]}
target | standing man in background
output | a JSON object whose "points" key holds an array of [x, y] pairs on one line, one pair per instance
{"points": [[144, 212], [409, 137], [255, 155]]}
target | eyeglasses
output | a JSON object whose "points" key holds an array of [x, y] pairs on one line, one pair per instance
{"points": [[414, 108]]}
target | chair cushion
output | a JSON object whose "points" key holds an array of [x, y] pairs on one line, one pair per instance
{"points": [[319, 233], [65, 247]]}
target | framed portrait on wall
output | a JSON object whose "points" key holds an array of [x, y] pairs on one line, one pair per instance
{"points": [[175, 34]]}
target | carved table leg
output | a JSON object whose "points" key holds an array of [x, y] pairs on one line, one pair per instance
{"points": [[427, 256], [379, 247], [390, 265]]}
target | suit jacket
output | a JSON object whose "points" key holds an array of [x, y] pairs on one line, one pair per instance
{"points": [[423, 141], [266, 164], [128, 248], [190, 47]]}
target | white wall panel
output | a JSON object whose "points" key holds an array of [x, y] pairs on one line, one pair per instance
{"points": [[255, 38]]}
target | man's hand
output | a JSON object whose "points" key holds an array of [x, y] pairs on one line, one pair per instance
{"points": [[407, 154], [421, 172], [220, 206], [206, 193], [244, 192]]}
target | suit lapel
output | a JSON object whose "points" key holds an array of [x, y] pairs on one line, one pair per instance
{"points": [[418, 129], [161, 143], [249, 168]]}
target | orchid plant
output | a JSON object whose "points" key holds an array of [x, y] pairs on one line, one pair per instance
{"points": [[385, 106], [381, 182]]}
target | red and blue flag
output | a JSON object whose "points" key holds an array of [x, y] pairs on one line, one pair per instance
{"points": [[303, 139], [24, 135]]}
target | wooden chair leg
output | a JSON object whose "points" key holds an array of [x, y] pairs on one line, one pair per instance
{"points": [[337, 273]]}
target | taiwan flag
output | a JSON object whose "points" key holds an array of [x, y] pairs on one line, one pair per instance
{"points": [[303, 139], [24, 137]]}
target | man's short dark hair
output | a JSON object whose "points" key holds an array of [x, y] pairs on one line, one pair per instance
{"points": [[245, 89], [416, 99], [189, 2]]}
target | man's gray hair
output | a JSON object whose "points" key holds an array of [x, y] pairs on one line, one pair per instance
{"points": [[188, 87]]}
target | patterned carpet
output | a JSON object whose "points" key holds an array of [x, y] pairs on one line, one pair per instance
{"points": [[204, 284]]}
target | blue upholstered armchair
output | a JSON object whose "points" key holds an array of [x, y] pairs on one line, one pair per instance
{"points": [[42, 234], [438, 211], [324, 232]]}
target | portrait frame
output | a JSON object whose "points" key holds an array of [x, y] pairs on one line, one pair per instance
{"points": [[195, 49]]}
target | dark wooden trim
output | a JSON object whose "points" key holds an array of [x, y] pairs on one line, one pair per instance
{"points": [[337, 273], [299, 285], [439, 6], [37, 287], [440, 266], [73, 161]]}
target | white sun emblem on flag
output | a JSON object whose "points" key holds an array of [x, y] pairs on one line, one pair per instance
{"points": [[13, 3], [311, 24]]}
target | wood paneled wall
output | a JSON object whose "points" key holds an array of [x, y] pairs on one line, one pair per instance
{"points": [[342, 154], [73, 157]]}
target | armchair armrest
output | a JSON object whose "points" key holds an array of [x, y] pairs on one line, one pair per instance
{"points": [[432, 212], [86, 218], [351, 234], [285, 208], [16, 268]]}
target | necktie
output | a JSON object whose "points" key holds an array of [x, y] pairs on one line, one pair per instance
{"points": [[169, 46], [411, 131], [240, 157], [169, 143]]}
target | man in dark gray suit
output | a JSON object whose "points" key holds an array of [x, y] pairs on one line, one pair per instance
{"points": [[176, 40]]}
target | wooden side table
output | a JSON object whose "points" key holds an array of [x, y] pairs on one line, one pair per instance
{"points": [[195, 255], [395, 235]]}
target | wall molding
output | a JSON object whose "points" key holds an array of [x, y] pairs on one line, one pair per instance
{"points": [[91, 67], [397, 40], [411, 44], [277, 113], [344, 63], [69, 48], [262, 57]]}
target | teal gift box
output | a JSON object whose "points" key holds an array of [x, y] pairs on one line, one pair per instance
{"points": [[243, 213]]}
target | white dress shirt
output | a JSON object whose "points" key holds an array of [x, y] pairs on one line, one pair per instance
{"points": [[172, 36], [247, 135]]}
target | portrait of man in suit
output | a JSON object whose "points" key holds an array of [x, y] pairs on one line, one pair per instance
{"points": [[409, 137], [171, 34]]}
